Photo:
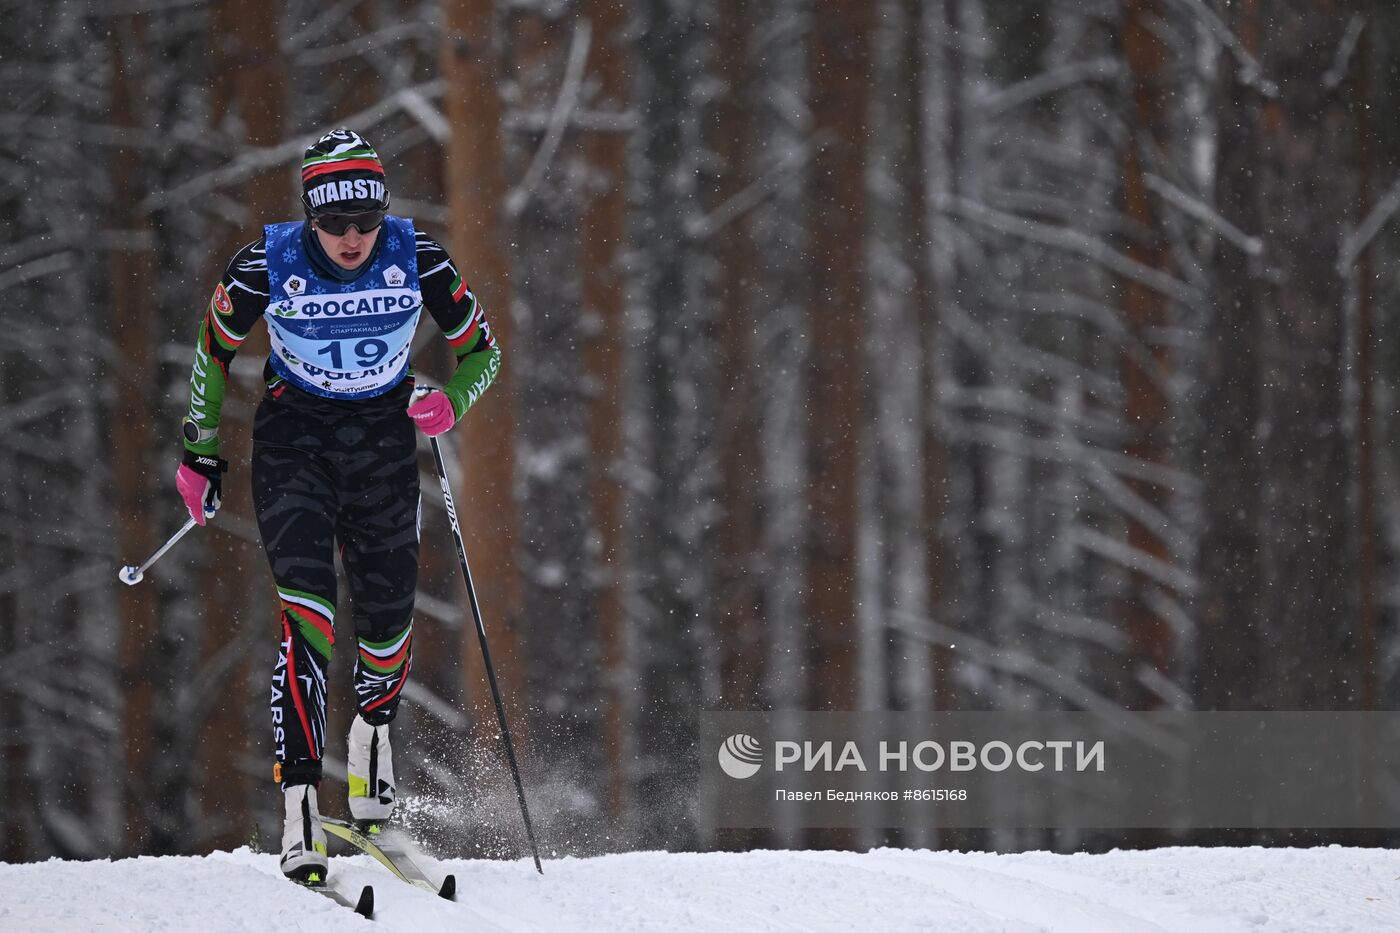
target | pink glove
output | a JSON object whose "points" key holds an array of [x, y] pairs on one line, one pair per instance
{"points": [[433, 413], [200, 483]]}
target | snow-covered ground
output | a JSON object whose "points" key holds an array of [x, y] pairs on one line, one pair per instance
{"points": [[1197, 890]]}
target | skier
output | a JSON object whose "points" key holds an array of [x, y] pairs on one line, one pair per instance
{"points": [[334, 462]]}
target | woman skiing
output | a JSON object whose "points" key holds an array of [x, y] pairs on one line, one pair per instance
{"points": [[334, 462]]}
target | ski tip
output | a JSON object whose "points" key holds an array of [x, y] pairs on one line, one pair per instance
{"points": [[448, 890], [365, 905]]}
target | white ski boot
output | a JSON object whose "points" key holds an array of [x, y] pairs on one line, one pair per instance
{"points": [[370, 767], [303, 839]]}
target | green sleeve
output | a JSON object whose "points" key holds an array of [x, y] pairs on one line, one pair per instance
{"points": [[238, 303], [208, 380], [475, 373]]}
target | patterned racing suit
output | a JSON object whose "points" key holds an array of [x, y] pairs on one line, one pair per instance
{"points": [[334, 463]]}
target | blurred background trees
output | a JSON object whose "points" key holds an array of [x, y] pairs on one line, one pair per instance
{"points": [[904, 354]]}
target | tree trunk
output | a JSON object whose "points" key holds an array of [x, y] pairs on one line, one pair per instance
{"points": [[778, 47], [894, 669], [1145, 361], [1309, 595], [738, 617], [1231, 405], [1368, 589], [939, 87], [840, 93], [470, 59], [674, 376], [552, 449], [132, 437], [604, 233]]}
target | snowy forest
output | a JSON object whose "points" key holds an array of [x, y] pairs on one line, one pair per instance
{"points": [[878, 354]]}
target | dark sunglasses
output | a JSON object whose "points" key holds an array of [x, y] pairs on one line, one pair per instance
{"points": [[338, 224]]}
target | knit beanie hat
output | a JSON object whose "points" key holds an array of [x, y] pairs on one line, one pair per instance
{"points": [[341, 173]]}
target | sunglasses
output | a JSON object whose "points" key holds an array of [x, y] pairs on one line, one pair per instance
{"points": [[338, 224]]}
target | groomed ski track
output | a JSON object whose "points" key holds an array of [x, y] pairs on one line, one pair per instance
{"points": [[1177, 889]]}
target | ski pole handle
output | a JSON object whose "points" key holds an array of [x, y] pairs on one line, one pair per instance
{"points": [[132, 575]]}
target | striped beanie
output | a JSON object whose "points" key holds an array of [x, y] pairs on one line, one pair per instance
{"points": [[341, 173]]}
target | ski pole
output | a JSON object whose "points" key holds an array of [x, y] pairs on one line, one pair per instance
{"points": [[485, 651], [132, 575]]}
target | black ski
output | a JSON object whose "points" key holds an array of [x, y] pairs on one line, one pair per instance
{"points": [[394, 850]]}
